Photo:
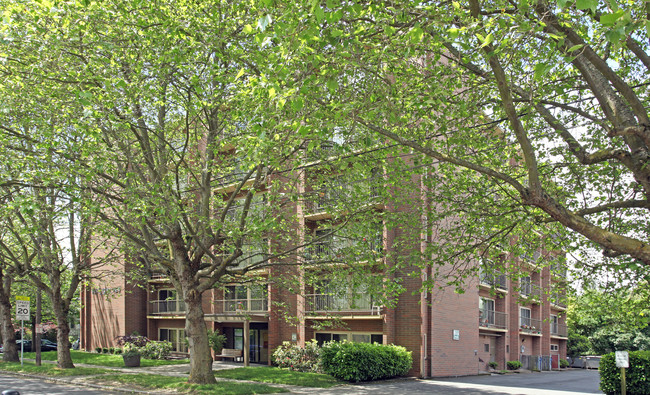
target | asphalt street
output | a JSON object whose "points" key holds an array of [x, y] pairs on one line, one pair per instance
{"points": [[34, 386]]}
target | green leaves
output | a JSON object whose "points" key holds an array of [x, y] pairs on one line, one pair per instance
{"points": [[587, 5]]}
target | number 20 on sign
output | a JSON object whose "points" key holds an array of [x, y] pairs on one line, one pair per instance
{"points": [[22, 308]]}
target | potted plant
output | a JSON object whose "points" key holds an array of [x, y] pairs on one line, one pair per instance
{"points": [[131, 357], [217, 341]]}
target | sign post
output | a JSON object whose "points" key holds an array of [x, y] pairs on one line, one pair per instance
{"points": [[22, 314], [623, 362]]}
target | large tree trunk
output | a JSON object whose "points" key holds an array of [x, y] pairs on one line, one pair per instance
{"points": [[8, 332], [196, 332], [63, 357], [10, 353]]}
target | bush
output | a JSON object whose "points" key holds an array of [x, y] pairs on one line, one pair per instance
{"points": [[138, 341], [111, 350], [493, 364], [98, 350], [636, 376], [564, 363], [293, 357], [105, 350], [118, 351], [363, 361], [216, 340], [156, 349], [513, 365]]}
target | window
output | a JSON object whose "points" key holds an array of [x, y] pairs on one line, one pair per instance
{"points": [[175, 336], [524, 316], [246, 298], [555, 347], [486, 312], [554, 324], [525, 286], [486, 347], [358, 337], [168, 302]]}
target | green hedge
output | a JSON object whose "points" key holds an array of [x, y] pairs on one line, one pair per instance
{"points": [[637, 376], [363, 361]]}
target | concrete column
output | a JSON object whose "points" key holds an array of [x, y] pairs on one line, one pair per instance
{"points": [[247, 342]]}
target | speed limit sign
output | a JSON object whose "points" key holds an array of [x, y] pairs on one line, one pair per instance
{"points": [[22, 308]]}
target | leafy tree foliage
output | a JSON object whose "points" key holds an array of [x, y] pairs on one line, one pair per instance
{"points": [[601, 322]]}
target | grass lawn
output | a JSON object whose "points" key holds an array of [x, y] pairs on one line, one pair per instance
{"points": [[48, 369], [179, 384], [92, 358], [267, 374]]}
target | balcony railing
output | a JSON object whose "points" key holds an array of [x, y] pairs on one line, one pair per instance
{"points": [[327, 199], [493, 280], [558, 300], [167, 307], [559, 330], [239, 306], [333, 303], [530, 325], [493, 319], [334, 251]]}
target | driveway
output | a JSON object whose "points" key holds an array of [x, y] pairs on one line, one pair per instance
{"points": [[569, 382]]}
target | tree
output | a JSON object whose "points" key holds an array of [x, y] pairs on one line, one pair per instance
{"points": [[175, 153], [543, 105], [604, 321]]}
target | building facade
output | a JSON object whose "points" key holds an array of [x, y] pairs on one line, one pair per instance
{"points": [[498, 318]]}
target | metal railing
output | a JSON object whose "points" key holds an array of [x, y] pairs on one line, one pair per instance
{"points": [[558, 300], [530, 325], [163, 307], [334, 303], [493, 319], [332, 250], [327, 198], [559, 330], [236, 306], [493, 280]]}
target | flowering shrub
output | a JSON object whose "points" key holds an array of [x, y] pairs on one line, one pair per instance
{"points": [[156, 349], [137, 341], [293, 357]]}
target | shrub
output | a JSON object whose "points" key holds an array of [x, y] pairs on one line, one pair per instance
{"points": [[216, 340], [636, 376], [293, 357], [156, 349], [138, 341], [98, 350], [111, 350], [493, 364], [564, 363], [105, 350], [118, 351], [363, 361], [513, 365]]}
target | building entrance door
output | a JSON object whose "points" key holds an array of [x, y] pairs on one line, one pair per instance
{"points": [[493, 349]]}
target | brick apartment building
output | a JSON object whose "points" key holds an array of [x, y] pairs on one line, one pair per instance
{"points": [[497, 319]]}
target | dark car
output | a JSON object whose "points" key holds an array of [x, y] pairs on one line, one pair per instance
{"points": [[46, 345]]}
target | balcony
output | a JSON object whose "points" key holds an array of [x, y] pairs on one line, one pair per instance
{"points": [[167, 307], [558, 300], [492, 280], [325, 251], [530, 326], [328, 303], [330, 198], [490, 319], [241, 306], [559, 330]]}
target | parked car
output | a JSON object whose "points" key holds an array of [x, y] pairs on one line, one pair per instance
{"points": [[46, 345]]}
